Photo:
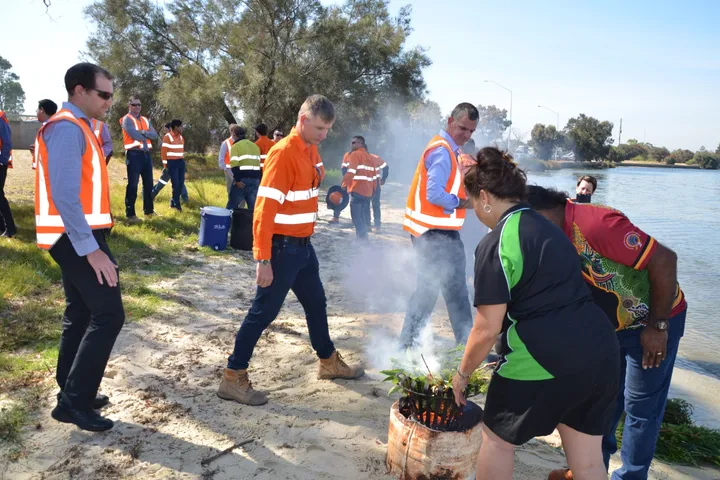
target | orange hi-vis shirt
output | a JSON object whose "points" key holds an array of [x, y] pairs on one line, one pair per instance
{"points": [[3, 118], [173, 147], [379, 166], [361, 176], [94, 186], [265, 145], [420, 214], [345, 163], [140, 124], [287, 200]]}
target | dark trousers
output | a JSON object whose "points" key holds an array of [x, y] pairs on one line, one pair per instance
{"points": [[295, 268], [92, 321], [139, 164], [440, 267], [162, 181], [642, 396], [360, 214], [7, 224], [376, 207], [176, 168], [248, 193]]}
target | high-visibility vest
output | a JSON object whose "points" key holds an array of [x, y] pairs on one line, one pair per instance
{"points": [[246, 155], [420, 214], [228, 145], [141, 123], [265, 145], [97, 127], [94, 186], [173, 147], [4, 119]]}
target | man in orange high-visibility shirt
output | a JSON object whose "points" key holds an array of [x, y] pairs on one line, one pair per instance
{"points": [[360, 182], [263, 142], [434, 215], [284, 221], [72, 219]]}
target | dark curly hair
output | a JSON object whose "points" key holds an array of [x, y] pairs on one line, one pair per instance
{"points": [[541, 198], [496, 173]]}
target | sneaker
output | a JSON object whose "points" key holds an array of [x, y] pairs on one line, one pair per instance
{"points": [[152, 215], [335, 367], [236, 386], [133, 220]]}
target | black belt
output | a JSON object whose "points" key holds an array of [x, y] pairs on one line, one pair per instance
{"points": [[288, 240]]}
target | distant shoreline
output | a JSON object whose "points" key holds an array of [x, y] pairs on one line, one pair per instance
{"points": [[562, 164], [679, 166]]}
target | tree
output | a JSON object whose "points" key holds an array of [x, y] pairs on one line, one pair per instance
{"points": [[717, 150], [706, 160], [491, 126], [680, 156], [588, 137], [544, 139], [659, 154], [208, 60], [12, 95]]}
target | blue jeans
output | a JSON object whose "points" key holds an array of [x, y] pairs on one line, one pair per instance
{"points": [[376, 206], [139, 164], [360, 214], [247, 193], [176, 168], [642, 396], [294, 267], [163, 180], [440, 267]]}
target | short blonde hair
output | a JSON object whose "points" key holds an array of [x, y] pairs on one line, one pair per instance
{"points": [[318, 106]]}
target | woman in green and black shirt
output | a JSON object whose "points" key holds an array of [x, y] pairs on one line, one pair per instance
{"points": [[558, 364]]}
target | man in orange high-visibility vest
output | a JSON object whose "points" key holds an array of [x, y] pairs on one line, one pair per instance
{"points": [[138, 135], [283, 223], [434, 215], [72, 219]]}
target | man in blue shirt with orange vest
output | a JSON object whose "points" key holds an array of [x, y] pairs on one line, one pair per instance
{"points": [[7, 224], [434, 215], [137, 140]]}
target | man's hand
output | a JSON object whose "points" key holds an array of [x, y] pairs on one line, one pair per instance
{"points": [[654, 343], [240, 184], [263, 275], [104, 267], [467, 203]]}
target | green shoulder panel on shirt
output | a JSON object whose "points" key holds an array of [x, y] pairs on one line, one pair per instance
{"points": [[519, 363], [509, 250], [245, 153]]}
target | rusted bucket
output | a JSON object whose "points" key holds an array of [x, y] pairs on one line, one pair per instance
{"points": [[416, 452]]}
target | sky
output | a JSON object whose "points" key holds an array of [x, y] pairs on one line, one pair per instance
{"points": [[655, 64]]}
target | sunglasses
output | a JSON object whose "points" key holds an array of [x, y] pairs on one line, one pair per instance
{"points": [[103, 94], [136, 104]]}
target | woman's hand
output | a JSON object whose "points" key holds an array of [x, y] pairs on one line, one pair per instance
{"points": [[459, 384]]}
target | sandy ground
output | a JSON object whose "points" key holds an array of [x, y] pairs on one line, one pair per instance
{"points": [[164, 372]]}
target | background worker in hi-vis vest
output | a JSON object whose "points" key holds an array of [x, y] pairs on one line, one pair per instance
{"points": [[165, 176], [138, 135], [72, 217], [434, 215]]}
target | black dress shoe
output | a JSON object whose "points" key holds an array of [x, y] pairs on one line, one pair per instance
{"points": [[88, 420], [99, 402]]}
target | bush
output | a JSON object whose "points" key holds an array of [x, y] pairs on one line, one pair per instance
{"points": [[706, 160]]}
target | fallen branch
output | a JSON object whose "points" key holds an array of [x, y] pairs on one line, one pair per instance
{"points": [[209, 460]]}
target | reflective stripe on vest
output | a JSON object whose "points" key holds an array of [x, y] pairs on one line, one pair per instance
{"points": [[94, 188], [420, 214], [140, 124], [174, 148]]}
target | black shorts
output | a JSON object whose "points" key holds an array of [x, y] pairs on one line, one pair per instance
{"points": [[518, 411]]}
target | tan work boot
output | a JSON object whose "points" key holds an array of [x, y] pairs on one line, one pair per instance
{"points": [[236, 386], [561, 474], [335, 367]]}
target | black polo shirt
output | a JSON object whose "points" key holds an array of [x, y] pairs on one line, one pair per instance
{"points": [[553, 327]]}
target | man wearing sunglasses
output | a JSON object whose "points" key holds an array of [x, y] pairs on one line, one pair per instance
{"points": [[72, 218], [137, 139], [284, 221]]}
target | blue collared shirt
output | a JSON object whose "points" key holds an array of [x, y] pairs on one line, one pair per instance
{"points": [[6, 143], [439, 164], [129, 127], [66, 146], [107, 145]]}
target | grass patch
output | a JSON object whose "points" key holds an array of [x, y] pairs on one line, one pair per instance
{"points": [[12, 419], [17, 412], [680, 440]]}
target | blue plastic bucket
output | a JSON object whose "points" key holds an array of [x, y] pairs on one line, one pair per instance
{"points": [[214, 227]]}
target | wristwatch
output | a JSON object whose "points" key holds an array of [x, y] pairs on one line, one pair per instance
{"points": [[661, 325], [264, 262]]}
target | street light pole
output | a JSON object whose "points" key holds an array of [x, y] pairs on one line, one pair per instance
{"points": [[557, 123], [509, 128]]}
